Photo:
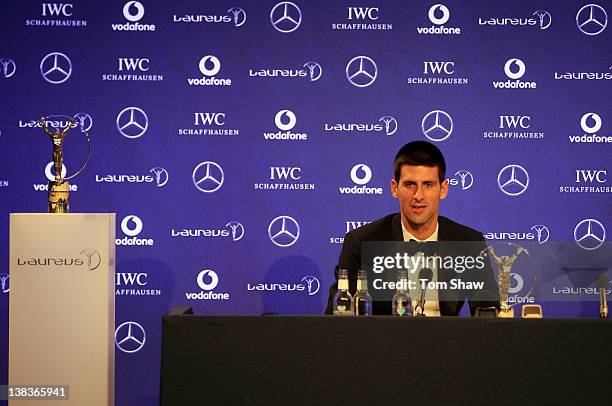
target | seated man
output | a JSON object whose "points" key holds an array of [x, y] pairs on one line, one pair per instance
{"points": [[419, 185]]}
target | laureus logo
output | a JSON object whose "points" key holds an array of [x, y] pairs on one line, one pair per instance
{"points": [[92, 259]]}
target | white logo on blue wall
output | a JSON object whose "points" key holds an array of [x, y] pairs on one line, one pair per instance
{"points": [[131, 225], [133, 11], [284, 231], [435, 10], [130, 337], [509, 69], [390, 124], [545, 18], [589, 234], [85, 121], [437, 125], [513, 180], [361, 71], [55, 68], [361, 174], [161, 176], [308, 284], [237, 230], [542, 232], [239, 16], [207, 61], [132, 122], [207, 279], [587, 119], [592, 19], [285, 115], [208, 176], [286, 17], [314, 70], [466, 180], [8, 67], [4, 282]]}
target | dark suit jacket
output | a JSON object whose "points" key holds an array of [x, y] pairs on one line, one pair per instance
{"points": [[389, 228]]}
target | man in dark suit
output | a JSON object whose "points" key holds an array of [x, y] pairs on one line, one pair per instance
{"points": [[419, 184]]}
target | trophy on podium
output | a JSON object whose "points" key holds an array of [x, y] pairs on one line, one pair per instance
{"points": [[59, 188], [504, 264]]}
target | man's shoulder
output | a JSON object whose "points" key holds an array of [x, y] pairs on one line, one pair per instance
{"points": [[378, 230], [452, 231]]}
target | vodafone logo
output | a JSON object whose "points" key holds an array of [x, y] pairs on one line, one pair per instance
{"points": [[361, 174], [509, 68], [131, 225], [282, 116]]}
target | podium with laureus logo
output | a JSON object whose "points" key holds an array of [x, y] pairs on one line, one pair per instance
{"points": [[62, 300]]}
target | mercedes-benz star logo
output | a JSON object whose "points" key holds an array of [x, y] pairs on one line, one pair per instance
{"points": [[313, 284], [8, 67], [513, 180], [284, 231], [545, 18], [358, 179], [130, 337], [314, 70], [239, 16], [390, 124], [361, 71], [542, 232], [132, 122], [131, 230], [589, 234], [592, 19], [213, 279], [208, 176], [437, 125], [55, 68], [286, 17], [85, 121]]}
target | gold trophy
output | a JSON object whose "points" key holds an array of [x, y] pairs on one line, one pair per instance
{"points": [[59, 188], [504, 265]]}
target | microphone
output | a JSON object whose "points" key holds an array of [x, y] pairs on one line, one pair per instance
{"points": [[602, 284], [425, 274]]}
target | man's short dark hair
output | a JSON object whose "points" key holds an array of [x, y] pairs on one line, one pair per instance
{"points": [[419, 153]]}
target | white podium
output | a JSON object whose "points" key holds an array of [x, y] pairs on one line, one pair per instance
{"points": [[62, 305]]}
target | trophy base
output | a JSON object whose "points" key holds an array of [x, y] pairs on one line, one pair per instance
{"points": [[58, 197], [506, 313]]}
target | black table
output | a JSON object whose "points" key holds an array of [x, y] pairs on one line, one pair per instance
{"points": [[379, 360]]}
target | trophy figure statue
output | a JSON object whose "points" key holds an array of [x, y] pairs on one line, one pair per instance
{"points": [[504, 265], [60, 187]]}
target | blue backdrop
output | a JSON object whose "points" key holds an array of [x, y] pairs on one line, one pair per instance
{"points": [[239, 142]]}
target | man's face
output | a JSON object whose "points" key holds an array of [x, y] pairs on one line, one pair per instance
{"points": [[419, 193]]}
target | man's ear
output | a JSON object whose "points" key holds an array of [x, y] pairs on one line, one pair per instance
{"points": [[394, 188], [444, 189]]}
